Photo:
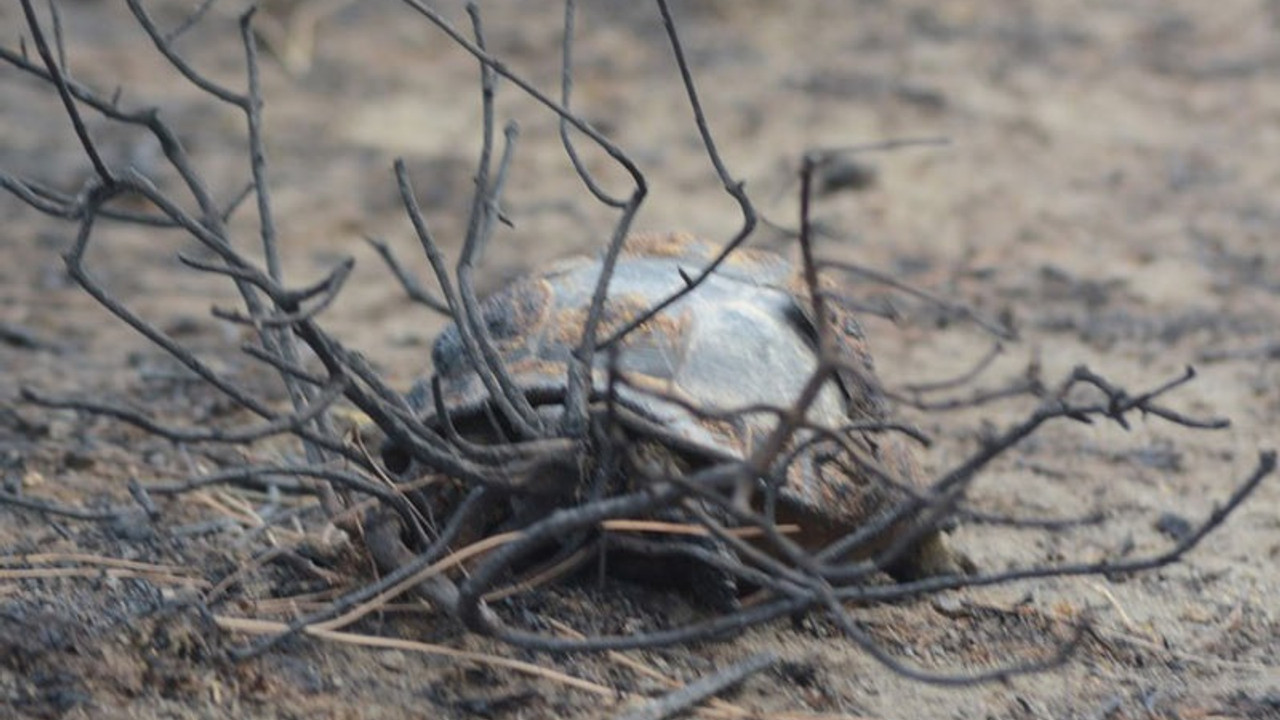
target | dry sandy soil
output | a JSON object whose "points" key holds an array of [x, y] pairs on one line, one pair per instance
{"points": [[1110, 185]]}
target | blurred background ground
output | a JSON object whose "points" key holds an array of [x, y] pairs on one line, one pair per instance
{"points": [[1109, 184]]}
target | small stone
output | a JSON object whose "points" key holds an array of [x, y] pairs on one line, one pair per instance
{"points": [[1174, 526], [948, 605], [393, 660]]}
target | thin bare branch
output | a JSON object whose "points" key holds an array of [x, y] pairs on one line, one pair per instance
{"points": [[678, 701], [56, 70]]}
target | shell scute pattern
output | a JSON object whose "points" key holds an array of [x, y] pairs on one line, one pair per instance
{"points": [[742, 339]]}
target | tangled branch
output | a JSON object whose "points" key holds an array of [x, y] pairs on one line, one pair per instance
{"points": [[567, 462]]}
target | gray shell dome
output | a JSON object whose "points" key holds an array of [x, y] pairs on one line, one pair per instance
{"points": [[738, 340]]}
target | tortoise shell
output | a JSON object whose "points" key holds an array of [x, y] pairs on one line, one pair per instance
{"points": [[742, 340]]}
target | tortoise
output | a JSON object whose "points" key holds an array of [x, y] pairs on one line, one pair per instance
{"points": [[745, 337]]}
